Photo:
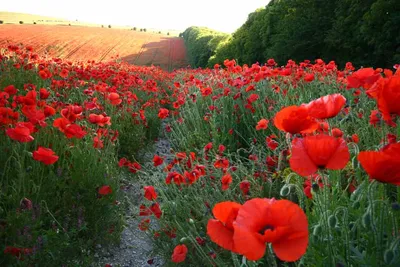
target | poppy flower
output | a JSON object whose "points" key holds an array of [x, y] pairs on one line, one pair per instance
{"points": [[221, 163], [309, 77], [105, 190], [157, 160], [20, 133], [262, 124], [144, 224], [100, 120], [155, 209], [244, 187], [387, 95], [43, 93], [319, 151], [226, 180], [206, 91], [64, 73], [295, 119], [220, 229], [179, 254], [365, 78], [384, 165], [326, 107], [74, 130], [114, 99], [45, 155], [279, 222], [150, 193], [163, 113]]}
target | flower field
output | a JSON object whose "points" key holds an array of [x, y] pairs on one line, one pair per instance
{"points": [[100, 44], [270, 166]]}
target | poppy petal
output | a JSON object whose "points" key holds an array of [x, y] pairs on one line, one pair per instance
{"points": [[219, 234], [248, 244], [300, 161], [222, 211]]}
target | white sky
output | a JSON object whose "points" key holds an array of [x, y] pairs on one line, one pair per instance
{"points": [[222, 15]]}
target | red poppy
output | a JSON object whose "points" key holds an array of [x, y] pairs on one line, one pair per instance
{"points": [[262, 124], [336, 132], [157, 160], [309, 77], [363, 78], [221, 163], [179, 254], [45, 155], [295, 119], [74, 130], [206, 91], [11, 90], [244, 187], [226, 180], [64, 73], [384, 165], [43, 93], [114, 99], [100, 120], [144, 224], [279, 222], [45, 74], [326, 107], [20, 133], [220, 229], [155, 209], [318, 151], [105, 190], [355, 138], [72, 112], [163, 113], [386, 92], [150, 193]]}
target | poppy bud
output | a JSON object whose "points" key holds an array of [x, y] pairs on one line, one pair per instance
{"points": [[317, 230], [388, 256], [191, 221], [315, 187], [332, 221], [356, 205], [183, 239], [366, 219], [29, 169], [395, 206], [285, 190]]}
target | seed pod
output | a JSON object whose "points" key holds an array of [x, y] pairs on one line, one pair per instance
{"points": [[332, 221], [388, 256], [356, 205], [395, 206], [285, 191], [366, 220], [317, 230]]}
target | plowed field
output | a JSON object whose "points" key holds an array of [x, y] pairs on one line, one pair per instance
{"points": [[99, 44]]}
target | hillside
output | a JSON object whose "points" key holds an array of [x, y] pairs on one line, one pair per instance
{"points": [[99, 44]]}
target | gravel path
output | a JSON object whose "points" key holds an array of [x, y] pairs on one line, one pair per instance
{"points": [[135, 249]]}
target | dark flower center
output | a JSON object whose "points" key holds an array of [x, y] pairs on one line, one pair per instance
{"points": [[265, 228]]}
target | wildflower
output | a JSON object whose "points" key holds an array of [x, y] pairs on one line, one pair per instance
{"points": [[279, 222], [319, 151], [262, 124], [384, 165], [179, 254], [295, 119], [220, 229], [105, 190], [326, 107], [45, 155]]}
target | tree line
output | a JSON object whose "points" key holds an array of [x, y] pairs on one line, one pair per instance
{"points": [[365, 32]]}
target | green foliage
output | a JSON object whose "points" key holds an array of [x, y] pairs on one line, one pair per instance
{"points": [[201, 44], [363, 32]]}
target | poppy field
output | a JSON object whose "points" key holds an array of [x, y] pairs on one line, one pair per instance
{"points": [[77, 43], [293, 165]]}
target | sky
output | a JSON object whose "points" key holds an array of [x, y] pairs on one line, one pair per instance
{"points": [[221, 15]]}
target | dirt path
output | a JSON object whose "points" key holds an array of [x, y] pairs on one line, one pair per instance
{"points": [[136, 248]]}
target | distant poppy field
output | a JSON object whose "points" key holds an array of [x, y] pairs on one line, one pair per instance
{"points": [[77, 43], [270, 165]]}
